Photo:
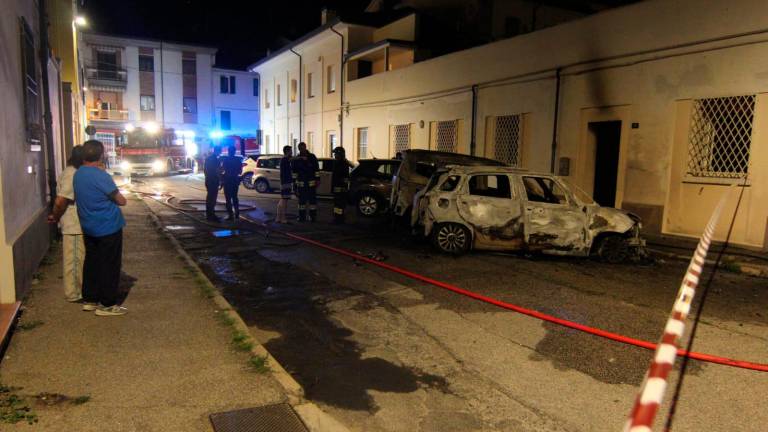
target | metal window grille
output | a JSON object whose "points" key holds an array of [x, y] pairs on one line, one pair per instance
{"points": [[445, 136], [402, 137], [362, 143], [108, 139], [508, 139], [720, 136]]}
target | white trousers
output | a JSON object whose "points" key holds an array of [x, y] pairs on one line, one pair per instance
{"points": [[74, 256]]}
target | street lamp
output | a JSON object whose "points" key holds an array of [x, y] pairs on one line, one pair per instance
{"points": [[80, 21]]}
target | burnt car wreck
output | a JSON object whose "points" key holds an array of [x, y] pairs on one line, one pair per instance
{"points": [[508, 209]]}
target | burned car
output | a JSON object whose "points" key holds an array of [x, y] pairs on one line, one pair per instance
{"points": [[415, 171], [500, 208]]}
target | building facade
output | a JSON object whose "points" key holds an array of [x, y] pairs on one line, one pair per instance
{"points": [[236, 103], [656, 107], [31, 142], [152, 84]]}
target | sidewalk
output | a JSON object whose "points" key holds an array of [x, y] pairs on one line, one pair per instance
{"points": [[165, 366], [750, 262]]}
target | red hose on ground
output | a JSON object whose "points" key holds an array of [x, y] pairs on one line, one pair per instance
{"points": [[542, 316]]}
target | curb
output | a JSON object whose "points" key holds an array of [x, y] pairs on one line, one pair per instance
{"points": [[749, 269], [313, 417]]}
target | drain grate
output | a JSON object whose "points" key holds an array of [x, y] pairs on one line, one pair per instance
{"points": [[273, 418]]}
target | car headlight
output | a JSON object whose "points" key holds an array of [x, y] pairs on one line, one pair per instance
{"points": [[125, 166], [158, 165]]}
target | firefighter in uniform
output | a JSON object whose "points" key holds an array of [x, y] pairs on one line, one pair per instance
{"points": [[212, 170], [306, 177], [339, 184]]}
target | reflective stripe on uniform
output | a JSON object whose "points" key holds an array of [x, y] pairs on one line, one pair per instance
{"points": [[295, 175], [286, 185], [302, 206], [339, 189], [312, 183], [338, 211], [300, 183], [312, 207]]}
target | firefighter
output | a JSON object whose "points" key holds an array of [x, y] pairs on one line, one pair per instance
{"points": [[286, 185], [306, 177], [232, 167], [212, 170], [339, 184]]}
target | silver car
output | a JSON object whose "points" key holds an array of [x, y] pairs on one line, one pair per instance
{"points": [[500, 208], [263, 174]]}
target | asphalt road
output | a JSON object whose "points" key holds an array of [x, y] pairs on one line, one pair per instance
{"points": [[385, 353]]}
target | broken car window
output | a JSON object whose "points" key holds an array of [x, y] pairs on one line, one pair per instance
{"points": [[542, 189], [496, 186], [450, 183]]}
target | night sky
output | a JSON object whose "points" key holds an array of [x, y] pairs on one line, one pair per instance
{"points": [[241, 30]]}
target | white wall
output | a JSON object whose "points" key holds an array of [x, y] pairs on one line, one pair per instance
{"points": [[131, 98], [172, 111], [243, 105], [205, 90]]}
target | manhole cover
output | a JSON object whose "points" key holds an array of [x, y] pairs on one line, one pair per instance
{"points": [[272, 418]]}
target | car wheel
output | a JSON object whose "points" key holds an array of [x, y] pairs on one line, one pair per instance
{"points": [[613, 249], [451, 238], [262, 186], [248, 181], [368, 204]]}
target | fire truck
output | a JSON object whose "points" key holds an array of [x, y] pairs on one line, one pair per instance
{"points": [[146, 153]]}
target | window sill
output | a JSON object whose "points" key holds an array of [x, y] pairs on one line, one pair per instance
{"points": [[716, 181]]}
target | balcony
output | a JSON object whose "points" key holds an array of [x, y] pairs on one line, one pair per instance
{"points": [[100, 76], [108, 114]]}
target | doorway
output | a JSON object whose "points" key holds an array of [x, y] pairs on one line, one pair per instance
{"points": [[607, 138]]}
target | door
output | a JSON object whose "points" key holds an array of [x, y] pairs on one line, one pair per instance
{"points": [[270, 169], [487, 203], [553, 221], [607, 138]]}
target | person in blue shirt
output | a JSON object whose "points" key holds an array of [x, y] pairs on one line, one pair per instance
{"points": [[102, 222]]}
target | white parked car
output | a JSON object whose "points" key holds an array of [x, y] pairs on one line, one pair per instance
{"points": [[500, 208], [263, 174]]}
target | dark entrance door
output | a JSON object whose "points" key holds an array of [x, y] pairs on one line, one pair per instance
{"points": [[607, 137]]}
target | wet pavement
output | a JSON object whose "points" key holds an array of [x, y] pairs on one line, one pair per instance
{"points": [[385, 353]]}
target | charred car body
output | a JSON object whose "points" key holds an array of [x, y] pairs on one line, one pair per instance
{"points": [[417, 168], [500, 208]]}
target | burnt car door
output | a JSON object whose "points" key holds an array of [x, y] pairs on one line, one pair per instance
{"points": [[490, 206], [554, 222]]}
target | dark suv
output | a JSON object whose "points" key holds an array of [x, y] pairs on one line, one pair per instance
{"points": [[371, 184]]}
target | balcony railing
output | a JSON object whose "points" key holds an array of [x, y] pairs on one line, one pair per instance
{"points": [[98, 74], [111, 114]]}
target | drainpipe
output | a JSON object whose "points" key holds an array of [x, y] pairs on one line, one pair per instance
{"points": [[341, 94], [554, 122], [162, 90], [473, 138], [47, 117], [288, 108], [300, 96]]}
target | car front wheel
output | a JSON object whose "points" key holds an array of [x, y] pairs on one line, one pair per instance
{"points": [[451, 238], [368, 204], [262, 186], [248, 181], [613, 249]]}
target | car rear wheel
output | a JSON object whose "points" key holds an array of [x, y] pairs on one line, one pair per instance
{"points": [[451, 238], [613, 249], [248, 181], [262, 186], [368, 204]]}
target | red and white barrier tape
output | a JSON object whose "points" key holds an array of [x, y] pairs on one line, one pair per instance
{"points": [[654, 385]]}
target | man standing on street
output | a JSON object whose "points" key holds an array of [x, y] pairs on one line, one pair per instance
{"points": [[286, 185], [212, 170], [97, 199], [232, 165], [339, 184], [307, 177]]}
